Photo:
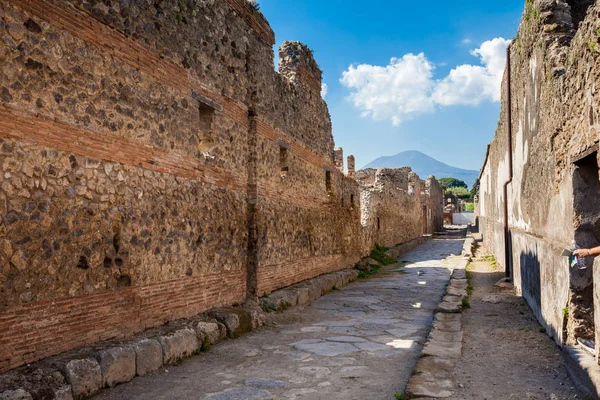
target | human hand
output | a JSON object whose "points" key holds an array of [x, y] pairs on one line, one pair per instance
{"points": [[582, 253]]}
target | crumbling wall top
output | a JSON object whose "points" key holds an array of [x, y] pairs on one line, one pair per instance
{"points": [[296, 61]]}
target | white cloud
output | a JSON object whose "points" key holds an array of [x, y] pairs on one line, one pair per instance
{"points": [[406, 88], [466, 41], [324, 90]]}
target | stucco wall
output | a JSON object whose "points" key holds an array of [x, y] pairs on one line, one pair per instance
{"points": [[554, 72]]}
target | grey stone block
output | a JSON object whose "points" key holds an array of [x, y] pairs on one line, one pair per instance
{"points": [[213, 331], [178, 345], [257, 318], [338, 280], [443, 349], [280, 300], [237, 321], [117, 365], [314, 291], [64, 393], [19, 394], [84, 376], [148, 356], [303, 295]]}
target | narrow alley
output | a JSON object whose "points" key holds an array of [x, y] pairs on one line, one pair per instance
{"points": [[359, 342]]}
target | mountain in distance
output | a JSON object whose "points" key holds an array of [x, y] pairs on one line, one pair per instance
{"points": [[424, 166]]}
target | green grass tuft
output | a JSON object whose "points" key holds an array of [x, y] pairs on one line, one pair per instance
{"points": [[465, 303], [378, 254]]}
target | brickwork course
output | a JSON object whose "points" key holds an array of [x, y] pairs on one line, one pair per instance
{"points": [[155, 166]]}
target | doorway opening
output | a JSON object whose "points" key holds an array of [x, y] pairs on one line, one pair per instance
{"points": [[579, 313]]}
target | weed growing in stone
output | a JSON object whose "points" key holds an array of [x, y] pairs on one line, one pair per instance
{"points": [[465, 303], [469, 290], [491, 315], [205, 344], [378, 254], [399, 396], [565, 312]]}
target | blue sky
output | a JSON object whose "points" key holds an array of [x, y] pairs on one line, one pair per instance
{"points": [[442, 102]]}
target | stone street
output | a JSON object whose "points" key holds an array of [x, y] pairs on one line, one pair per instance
{"points": [[359, 342]]}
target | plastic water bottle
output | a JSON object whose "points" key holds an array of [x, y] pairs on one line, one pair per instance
{"points": [[579, 261]]}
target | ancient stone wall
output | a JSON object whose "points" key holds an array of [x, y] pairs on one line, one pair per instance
{"points": [[155, 165], [393, 198], [554, 73]]}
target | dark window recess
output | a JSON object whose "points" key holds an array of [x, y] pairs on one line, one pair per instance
{"points": [[283, 161], [328, 181], [351, 201], [378, 224], [206, 140]]}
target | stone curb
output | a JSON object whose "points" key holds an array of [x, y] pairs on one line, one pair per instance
{"points": [[397, 251], [88, 370], [307, 291], [432, 375], [310, 290]]}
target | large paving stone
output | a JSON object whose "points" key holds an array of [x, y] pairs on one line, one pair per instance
{"points": [[451, 291], [178, 345], [443, 349], [237, 321], [241, 393], [421, 386], [148, 356], [117, 365], [445, 317], [324, 348], [19, 394], [345, 339], [436, 366], [442, 336], [459, 274], [280, 300], [303, 295], [262, 383], [214, 332], [85, 377], [449, 307]]}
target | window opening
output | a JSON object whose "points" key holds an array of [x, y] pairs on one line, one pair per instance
{"points": [[283, 161]]}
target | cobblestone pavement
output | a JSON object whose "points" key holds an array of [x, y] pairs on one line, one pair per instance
{"points": [[360, 342]]}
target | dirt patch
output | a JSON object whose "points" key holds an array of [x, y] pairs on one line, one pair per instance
{"points": [[506, 353]]}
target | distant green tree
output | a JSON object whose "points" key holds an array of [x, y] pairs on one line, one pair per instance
{"points": [[475, 189], [461, 192], [452, 183]]}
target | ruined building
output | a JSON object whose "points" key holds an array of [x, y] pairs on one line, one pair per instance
{"points": [[539, 184], [155, 165]]}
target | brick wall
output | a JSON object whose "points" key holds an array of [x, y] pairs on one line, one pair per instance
{"points": [[142, 151]]}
